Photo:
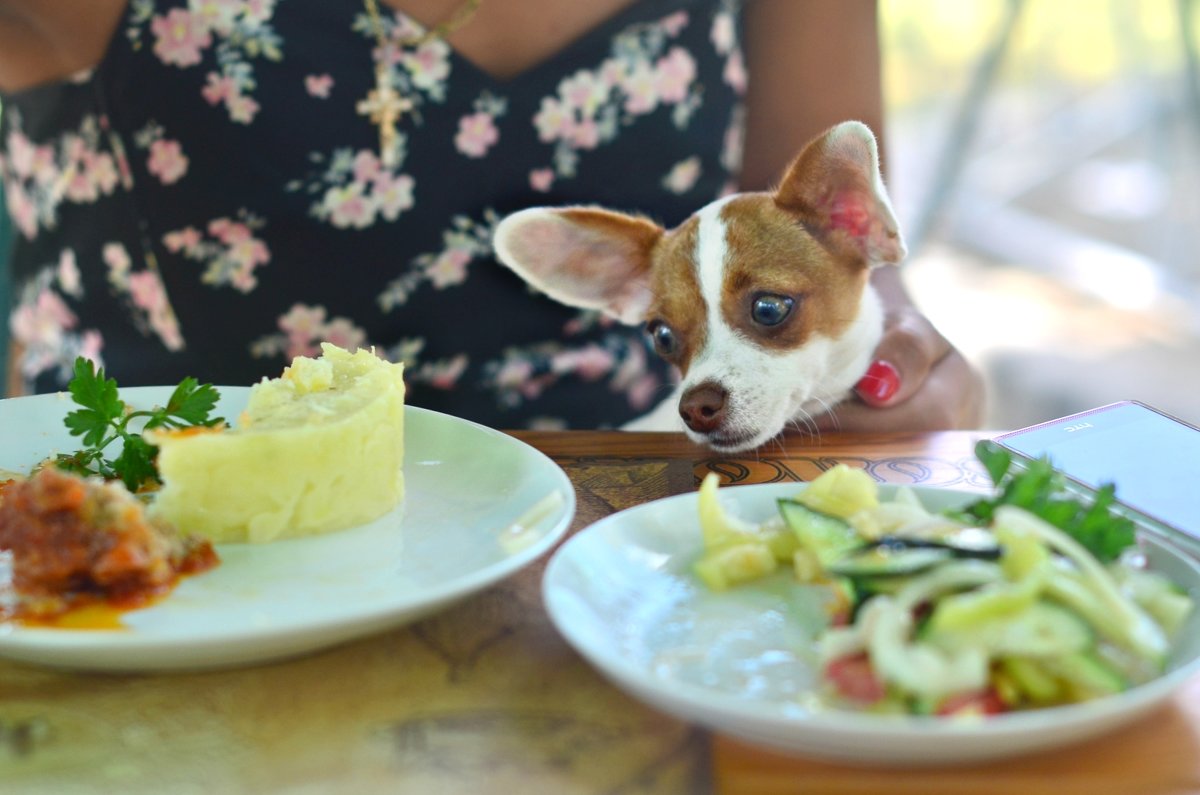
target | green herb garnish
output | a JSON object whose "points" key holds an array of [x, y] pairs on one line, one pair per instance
{"points": [[1041, 489], [105, 419]]}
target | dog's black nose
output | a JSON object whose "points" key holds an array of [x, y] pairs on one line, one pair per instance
{"points": [[703, 407]]}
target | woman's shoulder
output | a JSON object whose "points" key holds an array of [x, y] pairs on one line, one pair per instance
{"points": [[45, 41]]}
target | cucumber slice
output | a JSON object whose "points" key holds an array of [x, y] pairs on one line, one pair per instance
{"points": [[1085, 676], [1031, 679], [964, 610], [1042, 630], [893, 556], [869, 586], [829, 537], [885, 561]]}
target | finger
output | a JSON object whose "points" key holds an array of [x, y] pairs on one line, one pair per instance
{"points": [[951, 397], [880, 383], [909, 349]]}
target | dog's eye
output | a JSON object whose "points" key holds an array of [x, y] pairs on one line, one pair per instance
{"points": [[663, 338], [771, 310]]}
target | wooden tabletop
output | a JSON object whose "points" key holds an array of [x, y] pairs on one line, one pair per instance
{"points": [[486, 697]]}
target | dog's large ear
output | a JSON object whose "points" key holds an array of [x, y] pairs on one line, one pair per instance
{"points": [[834, 187], [582, 256]]}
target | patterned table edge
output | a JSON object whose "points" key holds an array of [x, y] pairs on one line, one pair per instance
{"points": [[961, 473]]}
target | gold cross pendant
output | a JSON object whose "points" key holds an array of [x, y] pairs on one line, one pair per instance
{"points": [[384, 105]]}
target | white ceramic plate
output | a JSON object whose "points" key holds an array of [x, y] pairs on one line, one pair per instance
{"points": [[466, 486], [741, 662]]}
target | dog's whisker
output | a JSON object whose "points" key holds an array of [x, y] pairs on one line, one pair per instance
{"points": [[810, 423], [803, 422], [827, 409]]}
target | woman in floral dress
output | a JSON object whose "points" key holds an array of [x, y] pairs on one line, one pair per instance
{"points": [[197, 186]]}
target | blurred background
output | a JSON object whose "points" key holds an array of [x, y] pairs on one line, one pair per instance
{"points": [[1044, 159]]}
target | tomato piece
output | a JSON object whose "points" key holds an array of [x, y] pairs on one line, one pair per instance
{"points": [[854, 678], [977, 702]]}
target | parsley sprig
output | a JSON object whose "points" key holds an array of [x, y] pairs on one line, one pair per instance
{"points": [[105, 420], [1041, 489]]}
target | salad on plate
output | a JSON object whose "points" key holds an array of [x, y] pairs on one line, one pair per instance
{"points": [[1032, 597]]}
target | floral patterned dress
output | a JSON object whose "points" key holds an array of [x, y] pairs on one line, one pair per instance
{"points": [[208, 201]]}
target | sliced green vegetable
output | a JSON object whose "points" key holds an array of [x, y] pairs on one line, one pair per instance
{"points": [[1000, 600], [828, 537], [1085, 676], [841, 492], [950, 577], [1032, 680], [724, 568], [885, 561], [1119, 617], [1024, 554], [780, 538], [1042, 629], [719, 528], [1166, 602], [915, 667]]}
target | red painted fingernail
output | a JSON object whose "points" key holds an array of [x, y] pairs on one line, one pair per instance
{"points": [[880, 383]]}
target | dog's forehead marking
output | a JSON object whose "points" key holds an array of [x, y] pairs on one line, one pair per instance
{"points": [[721, 351], [711, 253]]}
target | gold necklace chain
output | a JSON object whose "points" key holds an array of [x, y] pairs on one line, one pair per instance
{"points": [[384, 105], [459, 19]]}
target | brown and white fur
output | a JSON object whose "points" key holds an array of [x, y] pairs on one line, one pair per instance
{"points": [[804, 251]]}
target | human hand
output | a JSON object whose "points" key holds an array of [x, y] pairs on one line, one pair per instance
{"points": [[917, 381]]}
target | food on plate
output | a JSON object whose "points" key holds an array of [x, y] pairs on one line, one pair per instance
{"points": [[318, 449], [104, 421], [76, 541], [1029, 598]]}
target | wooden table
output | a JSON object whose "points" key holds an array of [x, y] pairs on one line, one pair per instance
{"points": [[486, 697]]}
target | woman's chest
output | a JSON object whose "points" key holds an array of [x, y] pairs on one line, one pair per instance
{"points": [[505, 38]]}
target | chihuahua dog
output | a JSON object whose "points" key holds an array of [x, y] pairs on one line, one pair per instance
{"points": [[762, 300]]}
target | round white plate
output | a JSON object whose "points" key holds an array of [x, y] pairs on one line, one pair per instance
{"points": [[466, 487], [742, 662]]}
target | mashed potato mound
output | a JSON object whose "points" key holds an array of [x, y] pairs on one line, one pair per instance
{"points": [[318, 449]]}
